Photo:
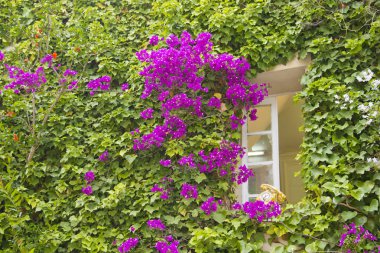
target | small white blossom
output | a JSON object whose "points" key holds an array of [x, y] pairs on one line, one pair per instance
{"points": [[336, 96], [374, 160], [374, 114], [369, 122], [346, 97], [375, 84], [363, 108]]}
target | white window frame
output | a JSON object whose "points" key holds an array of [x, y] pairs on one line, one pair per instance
{"points": [[272, 101]]}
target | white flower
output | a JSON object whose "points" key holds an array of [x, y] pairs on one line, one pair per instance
{"points": [[375, 84], [336, 96], [367, 75], [370, 104], [360, 79], [369, 122], [374, 114], [363, 108], [346, 97]]}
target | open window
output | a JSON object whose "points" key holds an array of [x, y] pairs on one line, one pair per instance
{"points": [[273, 140]]}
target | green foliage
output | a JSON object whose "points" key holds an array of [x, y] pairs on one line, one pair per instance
{"points": [[41, 204]]}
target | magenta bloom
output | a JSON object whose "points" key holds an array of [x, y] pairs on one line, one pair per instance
{"points": [[70, 72], [132, 229], [164, 195], [104, 156], [209, 206], [87, 190], [189, 191], [47, 58], [165, 247], [1, 55], [101, 83], [124, 86], [89, 176], [165, 163], [128, 245], [147, 114], [214, 102], [156, 188], [259, 210], [236, 206], [156, 224], [154, 40]]}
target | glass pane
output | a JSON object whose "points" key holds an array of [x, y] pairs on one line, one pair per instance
{"points": [[262, 175], [259, 148], [263, 121]]}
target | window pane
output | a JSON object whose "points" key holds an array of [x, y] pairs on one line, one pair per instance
{"points": [[259, 148], [263, 122], [262, 175]]}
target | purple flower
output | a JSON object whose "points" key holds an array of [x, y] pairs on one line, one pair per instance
{"points": [[128, 245], [156, 188], [1, 55], [235, 121], [104, 156], [187, 160], [27, 81], [154, 40], [156, 224], [101, 83], [89, 176], [189, 191], [253, 115], [147, 114], [70, 72], [209, 206], [214, 102], [124, 86], [236, 206], [73, 85], [47, 58], [169, 238], [165, 247], [244, 174], [165, 163], [259, 210], [164, 195], [87, 190], [132, 229]]}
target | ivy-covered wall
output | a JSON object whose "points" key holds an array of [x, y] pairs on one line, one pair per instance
{"points": [[343, 38]]}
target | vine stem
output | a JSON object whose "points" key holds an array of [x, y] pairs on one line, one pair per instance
{"points": [[46, 117]]}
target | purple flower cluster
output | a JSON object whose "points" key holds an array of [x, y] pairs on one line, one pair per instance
{"points": [[187, 161], [101, 83], [226, 156], [1, 55], [154, 40], [147, 114], [87, 190], [182, 101], [167, 247], [47, 59], [70, 72], [165, 163], [173, 126], [210, 206], [214, 102], [104, 156], [128, 245], [156, 224], [357, 233], [165, 189], [235, 121], [260, 211], [189, 191], [27, 81], [89, 176], [176, 66], [243, 175], [124, 86]]}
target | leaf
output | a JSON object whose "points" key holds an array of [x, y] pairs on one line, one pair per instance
{"points": [[201, 177], [374, 206], [348, 215], [130, 158], [218, 217]]}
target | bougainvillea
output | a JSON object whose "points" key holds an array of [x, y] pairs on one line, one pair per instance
{"points": [[128, 245], [356, 237]]}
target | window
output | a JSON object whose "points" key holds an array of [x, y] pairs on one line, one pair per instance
{"points": [[272, 143], [273, 140]]}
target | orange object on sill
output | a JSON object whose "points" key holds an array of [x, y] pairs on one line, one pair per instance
{"points": [[55, 55]]}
